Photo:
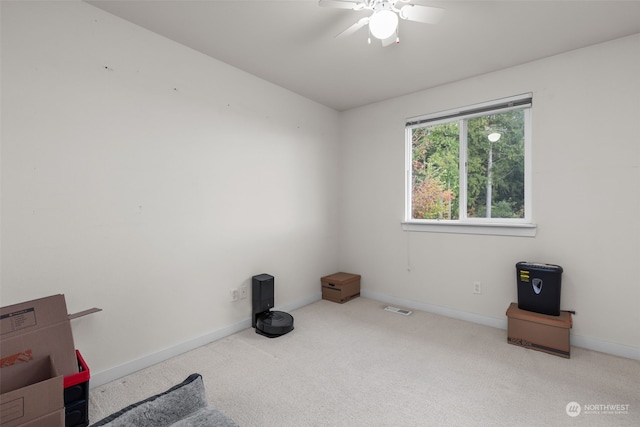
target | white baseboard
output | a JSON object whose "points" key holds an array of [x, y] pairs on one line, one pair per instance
{"points": [[112, 374], [436, 309], [589, 343], [606, 347], [120, 371]]}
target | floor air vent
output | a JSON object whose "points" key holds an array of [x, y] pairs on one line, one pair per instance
{"points": [[399, 310]]}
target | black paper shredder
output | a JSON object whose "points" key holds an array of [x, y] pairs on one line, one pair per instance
{"points": [[539, 287]]}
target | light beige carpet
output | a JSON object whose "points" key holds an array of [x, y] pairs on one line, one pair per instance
{"points": [[355, 364]]}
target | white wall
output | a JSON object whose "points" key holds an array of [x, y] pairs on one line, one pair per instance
{"points": [[147, 179], [586, 115]]}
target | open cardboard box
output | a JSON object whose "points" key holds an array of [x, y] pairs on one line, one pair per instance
{"points": [[31, 333], [31, 394]]}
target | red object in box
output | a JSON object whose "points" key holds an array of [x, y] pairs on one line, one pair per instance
{"points": [[76, 395], [81, 377]]}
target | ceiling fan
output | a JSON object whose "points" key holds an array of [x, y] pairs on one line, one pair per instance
{"points": [[383, 22]]}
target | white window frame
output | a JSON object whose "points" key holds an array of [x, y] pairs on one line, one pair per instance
{"points": [[493, 226]]}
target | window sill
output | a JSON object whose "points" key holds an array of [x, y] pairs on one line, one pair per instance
{"points": [[496, 229]]}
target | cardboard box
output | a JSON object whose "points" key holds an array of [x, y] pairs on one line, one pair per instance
{"points": [[340, 287], [538, 331], [36, 354], [53, 419], [35, 329], [31, 394]]}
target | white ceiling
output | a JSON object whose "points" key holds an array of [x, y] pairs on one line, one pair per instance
{"points": [[291, 42]]}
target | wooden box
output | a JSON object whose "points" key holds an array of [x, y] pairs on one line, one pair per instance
{"points": [[542, 332], [340, 287]]}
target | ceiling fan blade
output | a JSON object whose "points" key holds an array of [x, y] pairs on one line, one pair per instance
{"points": [[342, 4], [355, 27], [425, 14]]}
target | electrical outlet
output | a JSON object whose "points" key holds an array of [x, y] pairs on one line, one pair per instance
{"points": [[477, 288], [243, 291], [235, 295]]}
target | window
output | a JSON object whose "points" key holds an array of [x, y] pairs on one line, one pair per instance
{"points": [[468, 170]]}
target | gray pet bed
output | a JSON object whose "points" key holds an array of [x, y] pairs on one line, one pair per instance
{"points": [[184, 405]]}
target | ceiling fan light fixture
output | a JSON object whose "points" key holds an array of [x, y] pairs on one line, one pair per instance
{"points": [[383, 24]]}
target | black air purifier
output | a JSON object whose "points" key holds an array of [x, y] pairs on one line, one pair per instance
{"points": [[266, 322], [539, 287]]}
